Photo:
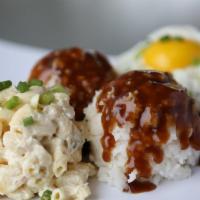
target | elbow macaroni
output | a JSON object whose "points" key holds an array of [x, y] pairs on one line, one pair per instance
{"points": [[44, 154], [60, 159]]}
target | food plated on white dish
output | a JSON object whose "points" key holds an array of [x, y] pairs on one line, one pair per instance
{"points": [[130, 126]]}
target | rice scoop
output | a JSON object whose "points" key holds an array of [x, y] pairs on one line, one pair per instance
{"points": [[143, 128]]}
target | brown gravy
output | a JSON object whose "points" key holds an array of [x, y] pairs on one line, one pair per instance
{"points": [[152, 102], [83, 72]]}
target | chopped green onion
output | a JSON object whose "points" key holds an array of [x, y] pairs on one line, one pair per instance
{"points": [[46, 195], [12, 103], [46, 98], [28, 121], [165, 38], [5, 84], [196, 62], [35, 82], [22, 86], [57, 89]]}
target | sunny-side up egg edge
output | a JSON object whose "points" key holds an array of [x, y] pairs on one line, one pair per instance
{"points": [[188, 76]]}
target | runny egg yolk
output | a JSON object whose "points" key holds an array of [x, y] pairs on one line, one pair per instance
{"points": [[171, 54]]}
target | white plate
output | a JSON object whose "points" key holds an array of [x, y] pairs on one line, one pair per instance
{"points": [[15, 64]]}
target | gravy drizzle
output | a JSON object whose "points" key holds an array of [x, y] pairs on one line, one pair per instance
{"points": [[151, 102]]}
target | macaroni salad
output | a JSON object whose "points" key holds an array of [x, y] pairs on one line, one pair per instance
{"points": [[40, 144]]}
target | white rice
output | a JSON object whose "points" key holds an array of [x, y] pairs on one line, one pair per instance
{"points": [[177, 163]]}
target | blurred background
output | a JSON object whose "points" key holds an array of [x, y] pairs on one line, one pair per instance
{"points": [[111, 26]]}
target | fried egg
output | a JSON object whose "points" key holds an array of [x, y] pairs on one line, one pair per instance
{"points": [[174, 49]]}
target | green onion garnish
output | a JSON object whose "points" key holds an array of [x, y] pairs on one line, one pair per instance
{"points": [[12, 103], [28, 121], [46, 195], [5, 84], [57, 89], [165, 38], [22, 86], [35, 82], [46, 98]]}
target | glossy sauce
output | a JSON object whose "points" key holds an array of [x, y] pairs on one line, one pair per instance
{"points": [[151, 102], [81, 71]]}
